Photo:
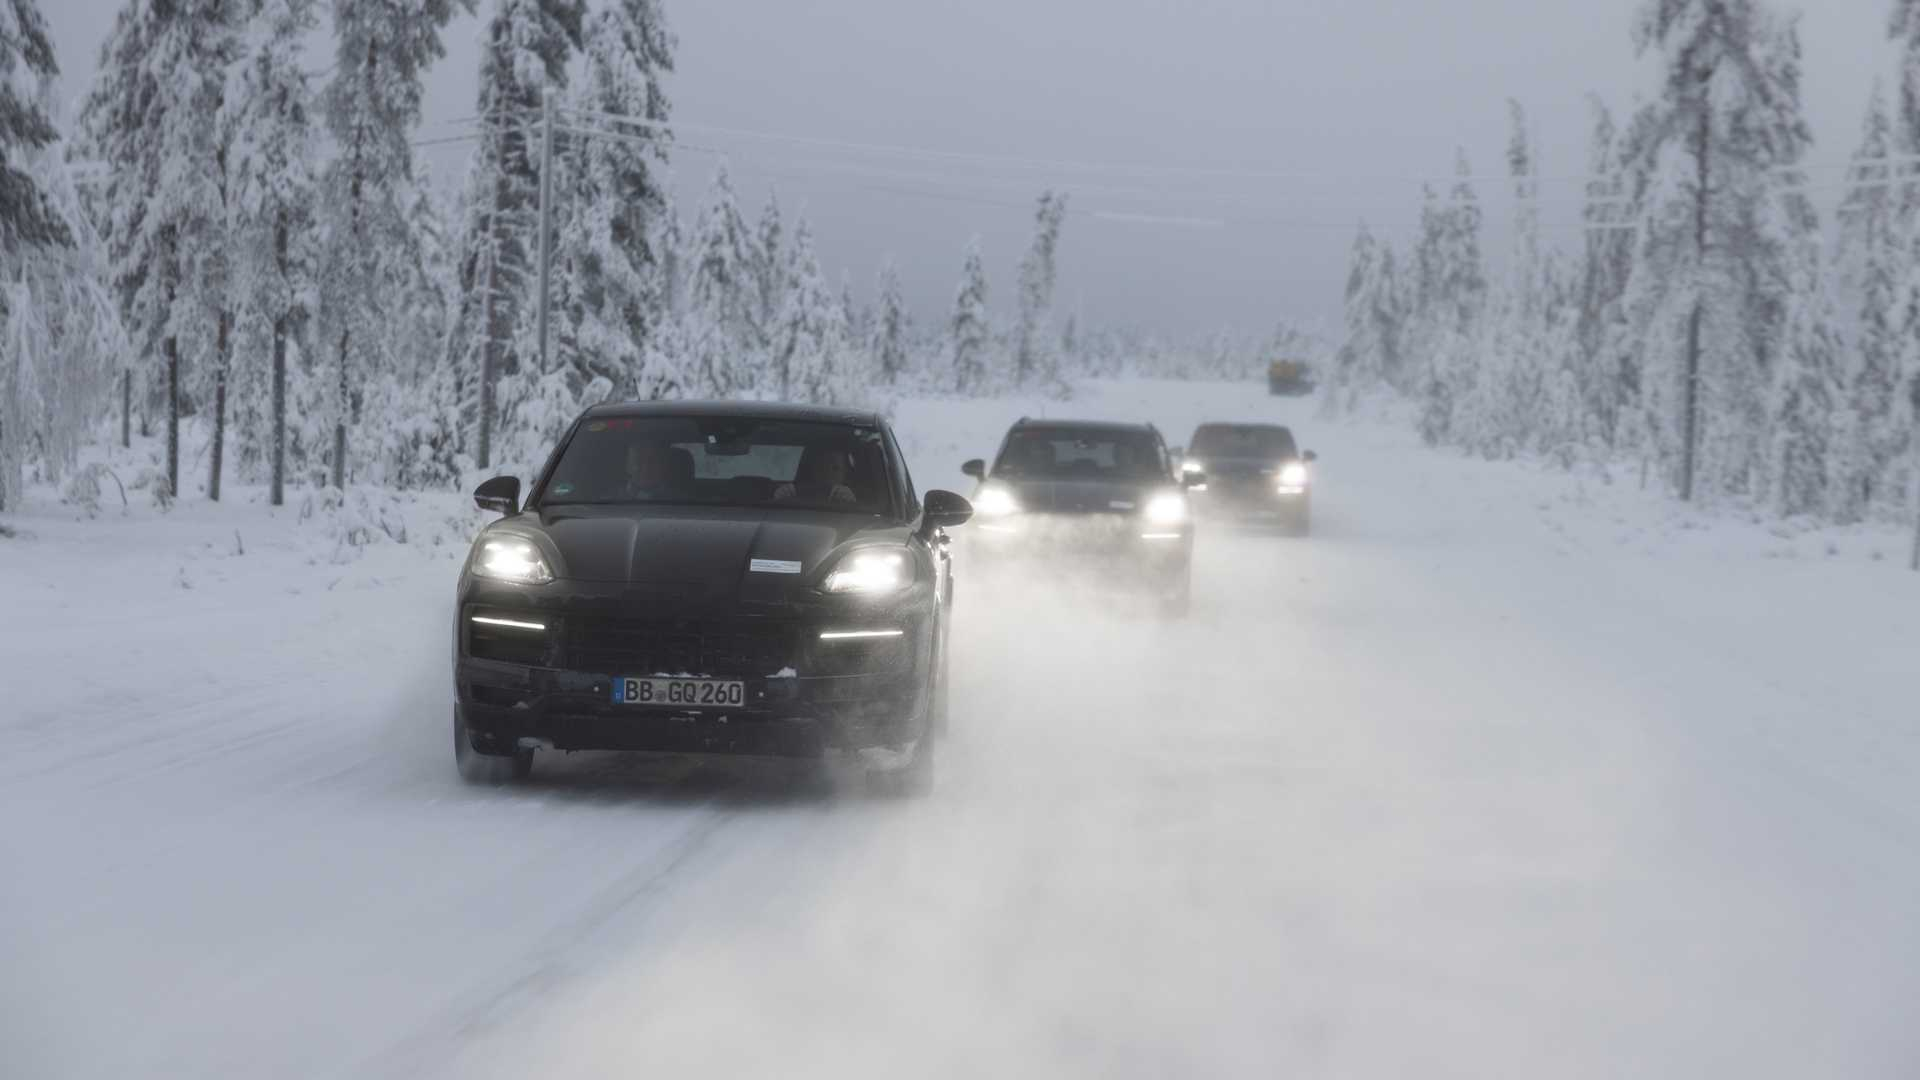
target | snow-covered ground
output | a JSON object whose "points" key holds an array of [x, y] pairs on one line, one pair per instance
{"points": [[1500, 773]]}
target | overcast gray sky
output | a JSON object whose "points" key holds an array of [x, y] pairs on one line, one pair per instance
{"points": [[1344, 103]]}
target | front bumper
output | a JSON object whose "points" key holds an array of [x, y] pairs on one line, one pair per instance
{"points": [[1256, 500], [554, 688], [1064, 544]]}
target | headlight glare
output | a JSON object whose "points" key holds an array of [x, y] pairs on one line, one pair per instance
{"points": [[1193, 465], [511, 560], [995, 501], [1293, 475], [881, 571], [1167, 508]]}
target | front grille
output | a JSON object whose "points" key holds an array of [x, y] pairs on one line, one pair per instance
{"points": [[740, 647]]}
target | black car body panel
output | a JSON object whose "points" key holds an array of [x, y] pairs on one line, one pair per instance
{"points": [[659, 589]]}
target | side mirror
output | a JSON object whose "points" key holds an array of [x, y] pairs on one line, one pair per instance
{"points": [[1192, 480], [1309, 456], [500, 495], [944, 509], [975, 468]]}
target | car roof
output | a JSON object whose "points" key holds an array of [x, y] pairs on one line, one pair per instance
{"points": [[1083, 425], [1242, 424], [756, 410]]}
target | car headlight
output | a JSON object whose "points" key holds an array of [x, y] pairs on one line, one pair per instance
{"points": [[1167, 508], [1293, 475], [507, 559], [871, 571], [995, 501], [1193, 465]]}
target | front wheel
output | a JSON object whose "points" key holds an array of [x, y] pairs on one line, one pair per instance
{"points": [[478, 768]]}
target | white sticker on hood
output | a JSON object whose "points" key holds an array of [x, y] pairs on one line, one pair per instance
{"points": [[1119, 504], [773, 566]]}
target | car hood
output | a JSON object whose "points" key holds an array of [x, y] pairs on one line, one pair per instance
{"points": [[699, 548], [1083, 496]]}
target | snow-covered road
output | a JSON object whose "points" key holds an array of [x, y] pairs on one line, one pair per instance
{"points": [[1492, 776]]}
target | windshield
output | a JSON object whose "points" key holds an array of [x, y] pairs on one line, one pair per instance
{"points": [[1080, 454], [723, 461], [1243, 440]]}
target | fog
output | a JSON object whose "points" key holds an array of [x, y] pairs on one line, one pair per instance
{"points": [[1345, 105]]}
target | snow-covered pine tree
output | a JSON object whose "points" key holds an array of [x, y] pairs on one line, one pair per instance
{"points": [[722, 294], [1872, 261], [525, 53], [609, 260], [771, 269], [890, 325], [1807, 377], [810, 340], [1711, 267], [1453, 283], [1609, 375], [1032, 356], [969, 333], [382, 49], [268, 114], [1372, 345], [151, 116], [26, 218]]}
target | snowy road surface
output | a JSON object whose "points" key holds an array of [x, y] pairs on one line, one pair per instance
{"points": [[1493, 776]]}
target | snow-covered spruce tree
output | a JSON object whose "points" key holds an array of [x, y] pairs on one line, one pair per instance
{"points": [[27, 221], [525, 52], [268, 116], [1372, 345], [1032, 355], [1609, 374], [609, 262], [891, 326], [382, 49], [810, 339], [1872, 261], [771, 269], [151, 116], [1710, 271], [969, 334], [1807, 378], [722, 295], [1453, 285]]}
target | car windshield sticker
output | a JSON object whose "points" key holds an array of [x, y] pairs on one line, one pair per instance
{"points": [[597, 425], [563, 488], [773, 566]]}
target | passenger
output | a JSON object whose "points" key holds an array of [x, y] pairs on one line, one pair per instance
{"points": [[821, 477]]}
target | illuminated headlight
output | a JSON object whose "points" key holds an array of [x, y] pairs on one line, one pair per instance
{"points": [[995, 502], [1167, 508], [882, 571], [511, 560], [1192, 465], [1293, 477]]}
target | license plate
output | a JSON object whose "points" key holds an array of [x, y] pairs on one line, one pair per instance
{"points": [[681, 693]]}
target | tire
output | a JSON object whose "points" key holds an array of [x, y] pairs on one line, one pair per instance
{"points": [[480, 768], [913, 780]]}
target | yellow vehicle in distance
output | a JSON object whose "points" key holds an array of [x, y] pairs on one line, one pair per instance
{"points": [[1289, 378]]}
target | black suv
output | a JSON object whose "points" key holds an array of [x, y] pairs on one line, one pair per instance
{"points": [[708, 578], [1254, 473], [1085, 495]]}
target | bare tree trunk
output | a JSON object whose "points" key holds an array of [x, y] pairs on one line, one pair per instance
{"points": [[222, 359], [173, 417], [340, 421], [1690, 390], [278, 496], [126, 408]]}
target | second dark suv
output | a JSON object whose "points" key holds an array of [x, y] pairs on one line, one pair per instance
{"points": [[1088, 495]]}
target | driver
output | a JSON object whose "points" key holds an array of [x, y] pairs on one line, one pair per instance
{"points": [[822, 477], [650, 472]]}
